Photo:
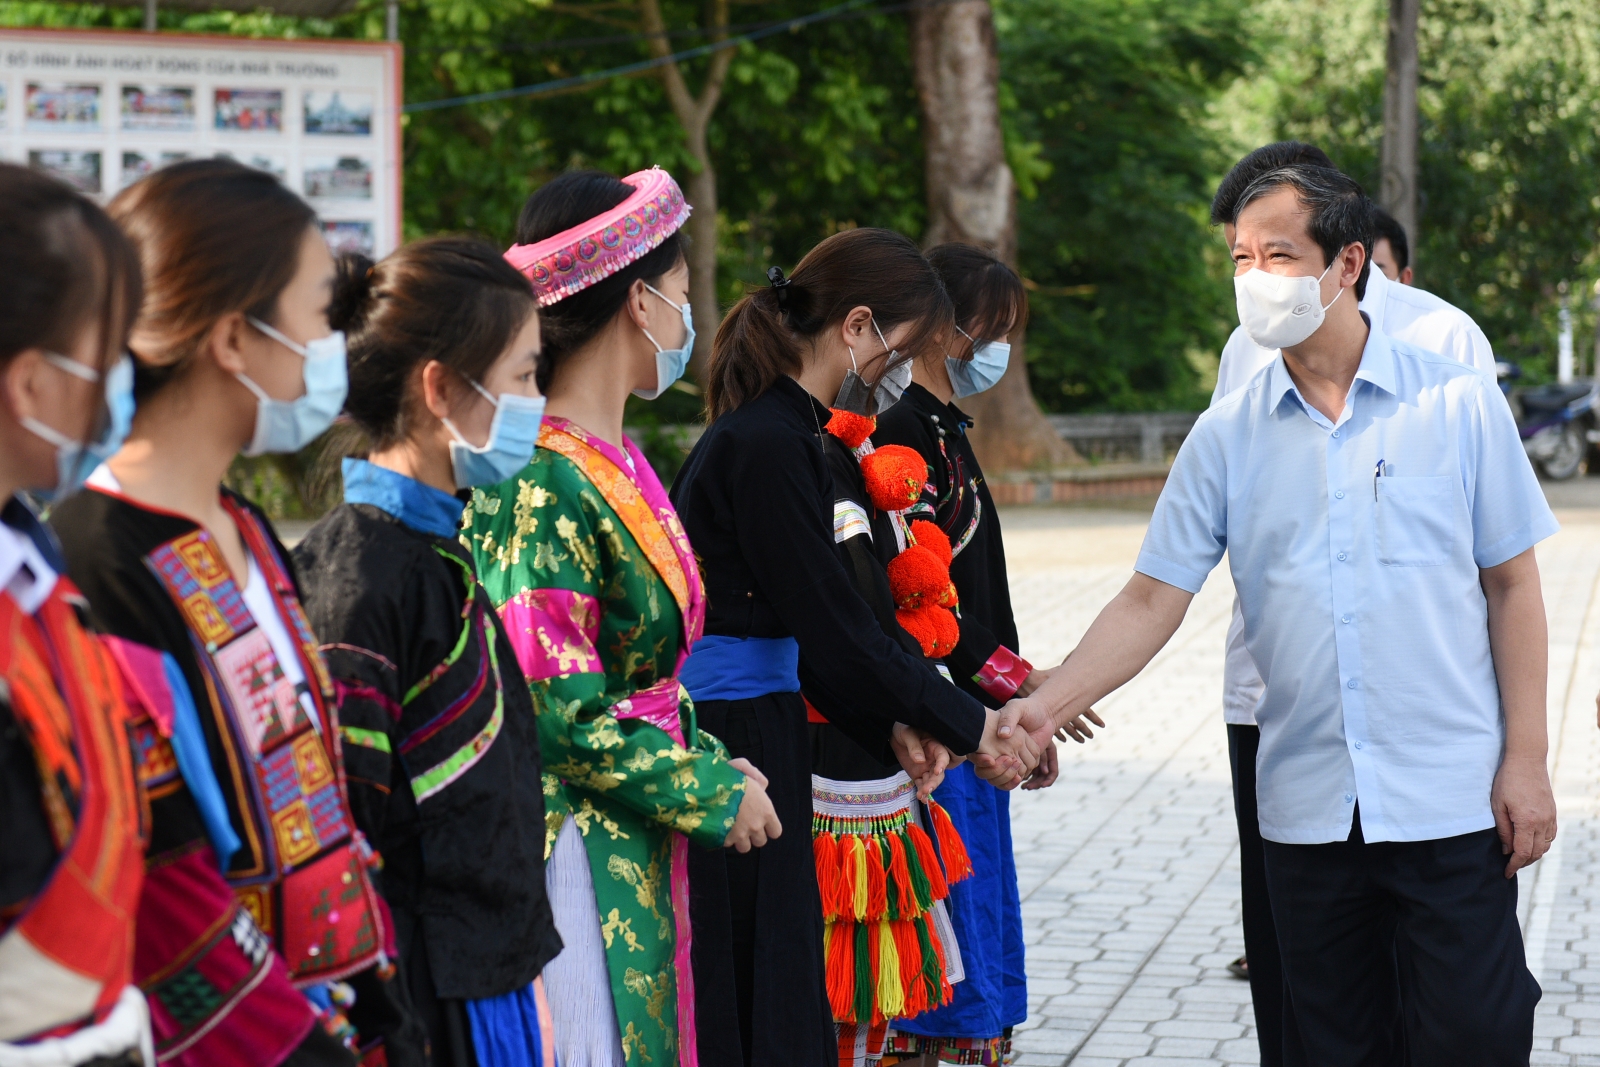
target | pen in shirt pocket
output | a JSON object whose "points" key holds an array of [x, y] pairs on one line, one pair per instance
{"points": [[1378, 472]]}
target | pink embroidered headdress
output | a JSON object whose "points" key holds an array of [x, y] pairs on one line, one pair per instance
{"points": [[593, 251]]}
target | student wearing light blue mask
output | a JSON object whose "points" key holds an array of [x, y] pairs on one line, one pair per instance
{"points": [[444, 355], [234, 354], [990, 305]]}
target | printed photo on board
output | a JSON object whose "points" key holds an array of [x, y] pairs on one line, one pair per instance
{"points": [[81, 170], [251, 110], [274, 165], [136, 165], [163, 107], [53, 107], [338, 113], [344, 178], [348, 236]]}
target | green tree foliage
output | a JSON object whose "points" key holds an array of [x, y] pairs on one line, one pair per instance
{"points": [[1117, 163], [1510, 158]]}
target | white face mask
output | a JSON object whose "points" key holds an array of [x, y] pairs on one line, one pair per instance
{"points": [[1279, 311]]}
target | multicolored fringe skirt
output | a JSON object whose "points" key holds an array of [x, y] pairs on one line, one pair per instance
{"points": [[890, 949]]}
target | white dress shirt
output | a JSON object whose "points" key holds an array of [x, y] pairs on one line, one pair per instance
{"points": [[1360, 593], [24, 574], [1404, 313]]}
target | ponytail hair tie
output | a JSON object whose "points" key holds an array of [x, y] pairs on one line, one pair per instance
{"points": [[780, 286]]}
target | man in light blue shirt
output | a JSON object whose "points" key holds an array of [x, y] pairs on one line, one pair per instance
{"points": [[1379, 517]]}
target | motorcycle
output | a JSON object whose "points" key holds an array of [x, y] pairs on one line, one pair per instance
{"points": [[1557, 422]]}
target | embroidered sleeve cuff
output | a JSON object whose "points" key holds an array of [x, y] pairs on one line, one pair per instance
{"points": [[1002, 673]]}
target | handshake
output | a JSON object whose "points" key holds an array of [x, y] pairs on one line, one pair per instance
{"points": [[1018, 745]]}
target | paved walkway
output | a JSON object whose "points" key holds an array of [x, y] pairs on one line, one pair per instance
{"points": [[1129, 864]]}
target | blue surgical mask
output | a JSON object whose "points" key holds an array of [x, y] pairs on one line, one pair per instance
{"points": [[670, 362], [76, 460], [513, 435], [290, 425], [983, 371]]}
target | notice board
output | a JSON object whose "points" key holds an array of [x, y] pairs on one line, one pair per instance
{"points": [[102, 109]]}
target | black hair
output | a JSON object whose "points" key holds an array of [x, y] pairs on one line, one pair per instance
{"points": [[987, 296], [64, 266], [452, 299], [766, 334], [1341, 214], [1387, 228], [1225, 205], [569, 200]]}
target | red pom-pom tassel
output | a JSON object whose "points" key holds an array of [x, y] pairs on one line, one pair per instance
{"points": [[895, 477], [929, 536], [917, 578], [934, 628], [850, 428]]}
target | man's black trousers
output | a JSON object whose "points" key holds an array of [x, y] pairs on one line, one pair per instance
{"points": [[1438, 916], [1273, 1025]]}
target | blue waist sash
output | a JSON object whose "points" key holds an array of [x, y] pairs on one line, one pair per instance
{"points": [[741, 668]]}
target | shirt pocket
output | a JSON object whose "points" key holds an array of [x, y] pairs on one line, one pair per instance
{"points": [[1416, 521]]}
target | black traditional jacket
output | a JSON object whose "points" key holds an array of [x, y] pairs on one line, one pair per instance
{"points": [[757, 499], [440, 745], [985, 661]]}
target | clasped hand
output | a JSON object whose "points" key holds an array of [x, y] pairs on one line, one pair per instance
{"points": [[757, 821]]}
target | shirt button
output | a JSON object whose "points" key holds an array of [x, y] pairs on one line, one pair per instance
{"points": [[1338, 494], [1348, 799], [1341, 557], [1359, 744], [1336, 433], [1351, 684], [1344, 618]]}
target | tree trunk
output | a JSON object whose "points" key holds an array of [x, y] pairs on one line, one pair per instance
{"points": [[971, 198], [1398, 184], [694, 114]]}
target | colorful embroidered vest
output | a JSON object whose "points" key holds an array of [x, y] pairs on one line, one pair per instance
{"points": [[303, 870], [67, 959]]}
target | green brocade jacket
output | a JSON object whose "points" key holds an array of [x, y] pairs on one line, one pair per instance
{"points": [[585, 559]]}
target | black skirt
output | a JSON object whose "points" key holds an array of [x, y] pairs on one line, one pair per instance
{"points": [[758, 963]]}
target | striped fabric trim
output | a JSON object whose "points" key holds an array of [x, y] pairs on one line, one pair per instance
{"points": [[849, 520], [461, 640], [436, 778], [375, 739]]}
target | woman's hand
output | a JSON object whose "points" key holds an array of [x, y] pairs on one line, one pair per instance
{"points": [[923, 758], [1004, 761], [1044, 776], [757, 821], [1078, 730]]}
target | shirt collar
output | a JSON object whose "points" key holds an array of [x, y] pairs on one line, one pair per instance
{"points": [[1377, 368], [419, 506], [27, 573]]}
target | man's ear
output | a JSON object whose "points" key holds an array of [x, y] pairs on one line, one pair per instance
{"points": [[1351, 260]]}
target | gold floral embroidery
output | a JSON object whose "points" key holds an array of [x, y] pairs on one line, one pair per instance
{"points": [[633, 1041], [569, 655], [646, 884], [641, 761], [579, 549], [606, 734], [614, 543], [587, 813], [615, 924], [654, 988]]}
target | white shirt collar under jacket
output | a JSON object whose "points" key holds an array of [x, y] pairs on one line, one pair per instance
{"points": [[1360, 592]]}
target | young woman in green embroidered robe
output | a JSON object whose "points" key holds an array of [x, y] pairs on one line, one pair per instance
{"points": [[598, 588]]}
